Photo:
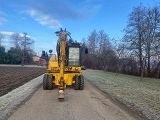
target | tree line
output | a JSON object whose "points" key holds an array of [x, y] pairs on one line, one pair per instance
{"points": [[136, 53], [20, 53]]}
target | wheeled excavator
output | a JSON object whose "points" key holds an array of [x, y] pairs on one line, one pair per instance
{"points": [[64, 69]]}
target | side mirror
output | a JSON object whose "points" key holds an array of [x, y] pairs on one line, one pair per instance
{"points": [[86, 50]]}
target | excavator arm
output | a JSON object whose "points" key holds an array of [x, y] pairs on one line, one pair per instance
{"points": [[62, 58]]}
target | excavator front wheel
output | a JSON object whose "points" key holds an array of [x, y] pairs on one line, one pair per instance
{"points": [[49, 82], [45, 82], [81, 84], [77, 82]]}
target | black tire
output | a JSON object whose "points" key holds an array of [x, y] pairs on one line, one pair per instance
{"points": [[49, 82], [81, 85], [45, 82], [53, 84], [76, 85]]}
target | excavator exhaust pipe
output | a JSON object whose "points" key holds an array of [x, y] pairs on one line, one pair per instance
{"points": [[61, 95]]}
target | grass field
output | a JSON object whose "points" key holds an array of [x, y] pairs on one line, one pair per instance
{"points": [[142, 95]]}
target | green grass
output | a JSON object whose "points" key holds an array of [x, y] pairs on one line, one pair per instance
{"points": [[143, 95]]}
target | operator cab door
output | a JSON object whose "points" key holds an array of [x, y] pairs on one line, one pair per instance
{"points": [[74, 56]]}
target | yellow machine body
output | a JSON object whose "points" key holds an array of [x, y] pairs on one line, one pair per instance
{"points": [[69, 72], [65, 68]]}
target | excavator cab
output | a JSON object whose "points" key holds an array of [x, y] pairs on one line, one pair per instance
{"points": [[74, 54]]}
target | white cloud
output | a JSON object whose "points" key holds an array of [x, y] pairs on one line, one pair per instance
{"points": [[6, 33], [44, 19], [49, 12]]}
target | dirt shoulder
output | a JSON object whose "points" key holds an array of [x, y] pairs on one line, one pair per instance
{"points": [[12, 77]]}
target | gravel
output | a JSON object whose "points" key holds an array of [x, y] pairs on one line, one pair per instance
{"points": [[10, 101]]}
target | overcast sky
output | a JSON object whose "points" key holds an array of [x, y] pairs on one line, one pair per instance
{"points": [[41, 18]]}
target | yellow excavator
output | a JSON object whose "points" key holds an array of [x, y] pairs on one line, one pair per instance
{"points": [[65, 69]]}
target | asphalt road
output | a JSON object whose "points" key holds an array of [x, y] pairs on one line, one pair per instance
{"points": [[87, 104]]}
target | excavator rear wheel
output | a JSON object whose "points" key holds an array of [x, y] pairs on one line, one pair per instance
{"points": [[81, 84], [45, 82], [77, 82], [49, 82]]}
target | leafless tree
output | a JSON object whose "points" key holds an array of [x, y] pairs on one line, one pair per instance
{"points": [[92, 47], [142, 34], [152, 43], [16, 39], [104, 48], [135, 32], [92, 42], [101, 54], [26, 43]]}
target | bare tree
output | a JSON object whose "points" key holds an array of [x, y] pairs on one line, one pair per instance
{"points": [[92, 42], [104, 48], [152, 25], [101, 54], [16, 38], [26, 43], [104, 41], [92, 47], [135, 32]]}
